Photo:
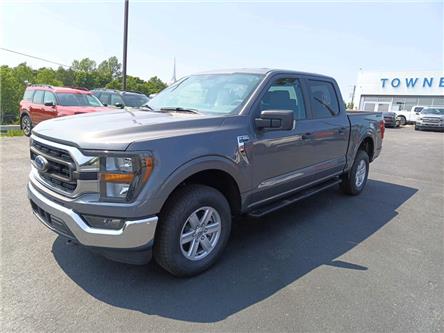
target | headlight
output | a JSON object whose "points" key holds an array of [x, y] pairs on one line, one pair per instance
{"points": [[123, 176]]}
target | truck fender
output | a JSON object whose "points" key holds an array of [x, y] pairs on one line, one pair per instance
{"points": [[192, 167]]}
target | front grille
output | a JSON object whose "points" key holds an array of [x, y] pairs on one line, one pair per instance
{"points": [[59, 172], [431, 120], [52, 221]]}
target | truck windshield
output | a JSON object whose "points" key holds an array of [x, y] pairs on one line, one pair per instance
{"points": [[208, 93], [72, 99], [134, 100], [438, 111]]}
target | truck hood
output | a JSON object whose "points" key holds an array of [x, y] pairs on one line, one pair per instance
{"points": [[117, 129]]}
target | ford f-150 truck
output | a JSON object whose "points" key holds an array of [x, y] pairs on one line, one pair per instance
{"points": [[168, 180]]}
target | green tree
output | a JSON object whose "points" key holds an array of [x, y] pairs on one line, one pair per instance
{"points": [[24, 73], [47, 76], [11, 92], [67, 76], [154, 85], [84, 65]]}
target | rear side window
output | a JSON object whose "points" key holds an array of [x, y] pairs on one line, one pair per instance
{"points": [[28, 95], [324, 101], [38, 97]]}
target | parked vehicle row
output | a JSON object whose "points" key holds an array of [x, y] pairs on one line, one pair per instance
{"points": [[43, 102], [168, 180]]}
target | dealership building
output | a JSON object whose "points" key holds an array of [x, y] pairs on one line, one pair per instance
{"points": [[395, 91]]}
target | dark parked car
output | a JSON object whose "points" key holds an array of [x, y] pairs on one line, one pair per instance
{"points": [[391, 119], [120, 99], [168, 180]]}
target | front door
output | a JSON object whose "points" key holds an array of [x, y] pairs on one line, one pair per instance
{"points": [[280, 157], [49, 111]]}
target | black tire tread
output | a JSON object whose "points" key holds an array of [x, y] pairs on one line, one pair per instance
{"points": [[173, 212]]}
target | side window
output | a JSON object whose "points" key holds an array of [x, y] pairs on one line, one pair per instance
{"points": [[28, 95], [115, 98], [49, 97], [38, 97], [285, 94], [323, 99]]}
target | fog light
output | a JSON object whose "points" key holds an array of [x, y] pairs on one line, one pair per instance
{"points": [[103, 222]]}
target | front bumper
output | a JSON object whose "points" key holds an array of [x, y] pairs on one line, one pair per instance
{"points": [[436, 126], [135, 234]]}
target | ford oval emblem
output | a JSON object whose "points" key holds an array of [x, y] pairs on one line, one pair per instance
{"points": [[41, 163]]}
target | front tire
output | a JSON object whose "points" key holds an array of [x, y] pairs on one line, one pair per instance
{"points": [[193, 230], [402, 121], [26, 125], [354, 182]]}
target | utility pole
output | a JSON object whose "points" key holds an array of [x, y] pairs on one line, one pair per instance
{"points": [[125, 43], [173, 79], [353, 95]]}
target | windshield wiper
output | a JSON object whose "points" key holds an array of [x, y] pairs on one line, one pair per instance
{"points": [[179, 109], [147, 107]]}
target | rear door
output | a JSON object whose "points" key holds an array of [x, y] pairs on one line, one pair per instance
{"points": [[36, 107], [329, 130]]}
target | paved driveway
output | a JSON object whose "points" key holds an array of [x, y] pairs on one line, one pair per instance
{"points": [[329, 263]]}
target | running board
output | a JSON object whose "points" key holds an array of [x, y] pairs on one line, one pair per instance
{"points": [[259, 212]]}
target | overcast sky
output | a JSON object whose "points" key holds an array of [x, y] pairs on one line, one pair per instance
{"points": [[335, 38]]}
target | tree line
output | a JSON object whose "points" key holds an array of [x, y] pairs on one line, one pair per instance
{"points": [[82, 73]]}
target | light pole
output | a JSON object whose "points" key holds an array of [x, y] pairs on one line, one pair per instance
{"points": [[125, 43]]}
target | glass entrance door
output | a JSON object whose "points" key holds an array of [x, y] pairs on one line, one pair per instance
{"points": [[377, 106]]}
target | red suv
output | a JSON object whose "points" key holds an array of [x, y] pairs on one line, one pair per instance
{"points": [[42, 102]]}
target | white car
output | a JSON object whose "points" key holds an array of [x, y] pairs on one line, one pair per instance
{"points": [[406, 116]]}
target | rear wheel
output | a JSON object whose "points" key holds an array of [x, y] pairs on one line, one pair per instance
{"points": [[193, 230], [354, 182], [26, 125]]}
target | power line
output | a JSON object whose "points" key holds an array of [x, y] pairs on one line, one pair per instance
{"points": [[34, 57]]}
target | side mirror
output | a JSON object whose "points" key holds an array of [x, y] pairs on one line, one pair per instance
{"points": [[49, 104], [118, 105], [275, 120]]}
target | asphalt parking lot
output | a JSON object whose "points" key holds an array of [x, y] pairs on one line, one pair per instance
{"points": [[330, 263]]}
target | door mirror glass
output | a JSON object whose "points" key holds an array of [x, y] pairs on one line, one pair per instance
{"points": [[275, 120], [118, 105]]}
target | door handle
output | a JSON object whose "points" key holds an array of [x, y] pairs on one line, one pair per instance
{"points": [[341, 131]]}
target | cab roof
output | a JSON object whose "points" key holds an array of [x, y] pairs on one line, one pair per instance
{"points": [[262, 71], [71, 90]]}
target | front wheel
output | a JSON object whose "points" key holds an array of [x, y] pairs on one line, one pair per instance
{"points": [[193, 230], [354, 182], [26, 125], [402, 121]]}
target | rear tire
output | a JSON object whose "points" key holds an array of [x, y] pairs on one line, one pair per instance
{"points": [[26, 125], [354, 182], [182, 229]]}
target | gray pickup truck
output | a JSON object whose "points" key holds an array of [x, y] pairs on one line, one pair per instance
{"points": [[168, 180]]}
